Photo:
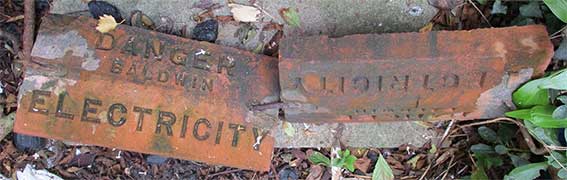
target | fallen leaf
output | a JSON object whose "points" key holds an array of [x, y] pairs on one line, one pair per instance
{"points": [[445, 4], [315, 173], [427, 28], [106, 23], [244, 13], [362, 164], [289, 130], [290, 16]]}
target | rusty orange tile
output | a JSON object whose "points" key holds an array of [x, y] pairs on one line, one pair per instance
{"points": [[144, 91], [409, 76]]}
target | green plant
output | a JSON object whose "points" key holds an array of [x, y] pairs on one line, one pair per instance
{"points": [[543, 120], [345, 160], [319, 159]]}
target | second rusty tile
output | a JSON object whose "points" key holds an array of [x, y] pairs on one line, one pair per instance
{"points": [[409, 76]]}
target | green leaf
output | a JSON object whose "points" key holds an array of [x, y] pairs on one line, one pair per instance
{"points": [[556, 160], [557, 80], [482, 149], [501, 149], [318, 158], [479, 173], [345, 160], [560, 112], [528, 171], [542, 117], [518, 161], [506, 132], [547, 135], [487, 160], [349, 163], [482, 2], [531, 10], [530, 95], [562, 173], [558, 7], [563, 99], [524, 114], [498, 8], [488, 134], [382, 170], [291, 17]]}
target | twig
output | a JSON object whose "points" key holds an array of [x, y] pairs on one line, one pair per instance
{"points": [[481, 14], [29, 28], [425, 173], [360, 176], [451, 164], [446, 133], [224, 172], [559, 31]]}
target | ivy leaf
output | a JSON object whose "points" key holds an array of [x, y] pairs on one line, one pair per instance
{"points": [[487, 134], [528, 171], [531, 10], [518, 161], [498, 8], [556, 160], [382, 170], [501, 149], [318, 158], [482, 149], [530, 94], [547, 135], [558, 7], [106, 23]]}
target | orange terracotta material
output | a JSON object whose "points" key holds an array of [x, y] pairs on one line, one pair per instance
{"points": [[144, 91], [409, 76]]}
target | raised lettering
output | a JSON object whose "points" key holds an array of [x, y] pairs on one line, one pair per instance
{"points": [[110, 115], [38, 100], [87, 108]]}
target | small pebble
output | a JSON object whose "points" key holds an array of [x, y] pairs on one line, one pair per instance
{"points": [[372, 155], [206, 31], [155, 159], [28, 143], [100, 8], [288, 174]]}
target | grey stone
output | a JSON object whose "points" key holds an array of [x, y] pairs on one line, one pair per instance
{"points": [[334, 18], [389, 134]]}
